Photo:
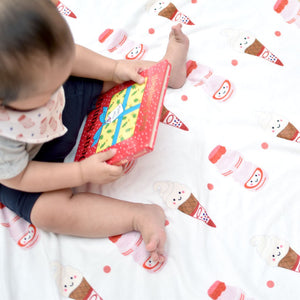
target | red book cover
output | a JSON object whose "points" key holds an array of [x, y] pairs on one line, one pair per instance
{"points": [[126, 117]]}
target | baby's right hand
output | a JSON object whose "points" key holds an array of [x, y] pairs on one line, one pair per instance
{"points": [[95, 169]]}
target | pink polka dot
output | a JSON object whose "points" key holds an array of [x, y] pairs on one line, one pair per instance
{"points": [[194, 1], [270, 284], [265, 145], [107, 269], [210, 186], [167, 222], [234, 62], [184, 97], [151, 30], [277, 33]]}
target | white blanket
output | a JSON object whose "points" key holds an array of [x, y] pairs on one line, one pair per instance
{"points": [[248, 254]]}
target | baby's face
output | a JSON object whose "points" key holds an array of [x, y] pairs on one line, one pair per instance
{"points": [[49, 76]]}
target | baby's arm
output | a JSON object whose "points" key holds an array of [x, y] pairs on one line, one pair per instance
{"points": [[90, 64], [44, 176]]}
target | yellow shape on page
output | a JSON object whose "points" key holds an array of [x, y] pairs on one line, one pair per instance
{"points": [[128, 120]]}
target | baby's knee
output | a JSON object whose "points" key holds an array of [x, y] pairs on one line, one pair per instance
{"points": [[51, 209]]}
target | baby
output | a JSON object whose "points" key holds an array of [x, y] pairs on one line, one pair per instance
{"points": [[41, 110]]}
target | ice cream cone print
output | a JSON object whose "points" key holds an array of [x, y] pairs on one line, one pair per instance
{"points": [[179, 196], [171, 119], [23, 233], [133, 243], [276, 252], [289, 10], [168, 10], [220, 291], [231, 163], [278, 126], [64, 10], [217, 87], [72, 284], [246, 42]]}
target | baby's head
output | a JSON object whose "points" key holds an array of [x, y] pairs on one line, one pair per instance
{"points": [[36, 52]]}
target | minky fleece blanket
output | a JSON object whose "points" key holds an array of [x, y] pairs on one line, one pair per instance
{"points": [[226, 172]]}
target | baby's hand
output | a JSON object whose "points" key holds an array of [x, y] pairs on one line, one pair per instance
{"points": [[94, 169], [128, 70]]}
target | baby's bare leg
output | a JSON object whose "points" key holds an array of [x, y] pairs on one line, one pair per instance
{"points": [[176, 54], [92, 215]]}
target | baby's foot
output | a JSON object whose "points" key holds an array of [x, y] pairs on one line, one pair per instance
{"points": [[151, 223], [176, 54]]}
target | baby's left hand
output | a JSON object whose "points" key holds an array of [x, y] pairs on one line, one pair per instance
{"points": [[128, 70]]}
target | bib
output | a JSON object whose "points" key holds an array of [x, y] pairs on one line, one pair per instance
{"points": [[35, 126]]}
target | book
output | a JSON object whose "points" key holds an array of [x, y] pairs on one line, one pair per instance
{"points": [[126, 117]]}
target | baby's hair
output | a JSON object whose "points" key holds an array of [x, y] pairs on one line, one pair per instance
{"points": [[28, 29]]}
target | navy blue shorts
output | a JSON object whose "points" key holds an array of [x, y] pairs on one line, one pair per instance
{"points": [[81, 95]]}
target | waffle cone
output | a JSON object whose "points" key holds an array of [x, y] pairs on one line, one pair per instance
{"points": [[289, 261], [289, 132], [255, 48], [189, 206], [82, 291], [164, 112], [169, 11]]}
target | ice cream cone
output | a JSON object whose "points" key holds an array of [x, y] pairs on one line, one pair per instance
{"points": [[178, 196], [290, 261], [258, 49], [168, 10], [246, 42], [279, 126], [72, 284], [171, 119], [82, 291], [193, 208], [64, 10], [276, 252], [290, 132]]}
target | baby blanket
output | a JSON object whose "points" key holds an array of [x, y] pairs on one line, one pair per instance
{"points": [[228, 182]]}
